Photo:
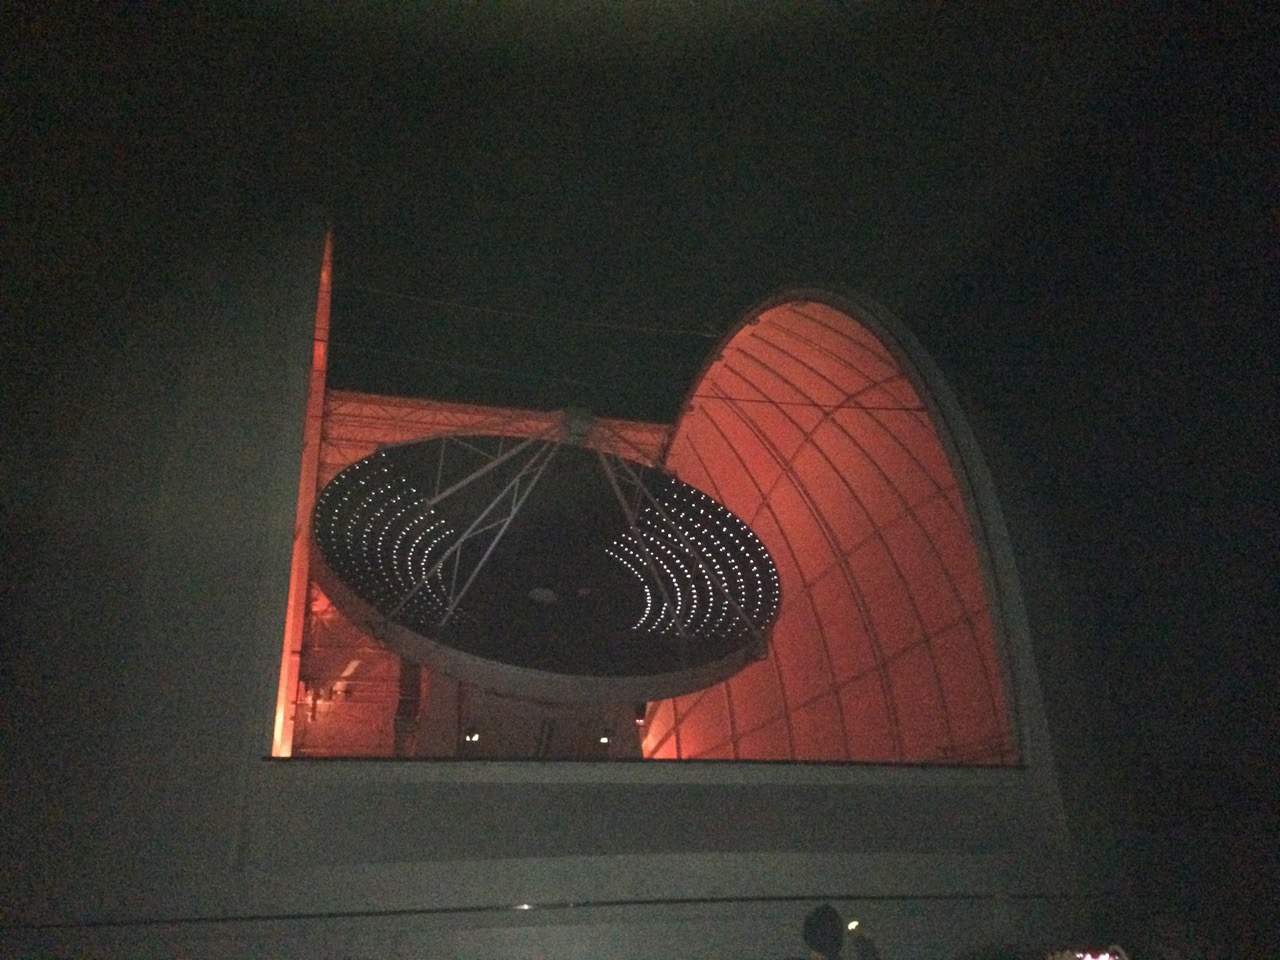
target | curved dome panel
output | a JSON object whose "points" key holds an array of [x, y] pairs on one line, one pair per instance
{"points": [[808, 428]]}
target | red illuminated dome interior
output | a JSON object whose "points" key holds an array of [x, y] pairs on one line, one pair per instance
{"points": [[808, 427], [815, 427]]}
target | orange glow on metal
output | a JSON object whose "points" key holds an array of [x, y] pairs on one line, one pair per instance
{"points": [[295, 612]]}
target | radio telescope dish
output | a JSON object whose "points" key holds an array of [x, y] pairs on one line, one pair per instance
{"points": [[544, 570]]}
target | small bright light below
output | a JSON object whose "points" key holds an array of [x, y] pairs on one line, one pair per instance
{"points": [[524, 906], [853, 924], [604, 739]]}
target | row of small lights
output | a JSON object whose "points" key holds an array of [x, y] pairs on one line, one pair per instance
{"points": [[725, 524], [348, 548], [698, 523]]}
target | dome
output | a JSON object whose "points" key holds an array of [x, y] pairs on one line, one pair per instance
{"points": [[813, 426]]}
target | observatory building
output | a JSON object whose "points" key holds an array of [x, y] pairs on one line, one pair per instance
{"points": [[555, 685], [798, 569]]}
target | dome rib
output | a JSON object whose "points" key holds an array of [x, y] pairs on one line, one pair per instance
{"points": [[806, 424]]}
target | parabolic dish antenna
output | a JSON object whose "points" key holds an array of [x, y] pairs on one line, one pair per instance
{"points": [[544, 570]]}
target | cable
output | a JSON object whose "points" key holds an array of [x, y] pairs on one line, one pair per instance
{"points": [[524, 314], [458, 364], [557, 905], [573, 381]]}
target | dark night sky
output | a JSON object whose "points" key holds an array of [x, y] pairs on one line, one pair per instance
{"points": [[1075, 213]]}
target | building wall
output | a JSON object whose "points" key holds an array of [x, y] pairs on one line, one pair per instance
{"points": [[144, 817]]}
